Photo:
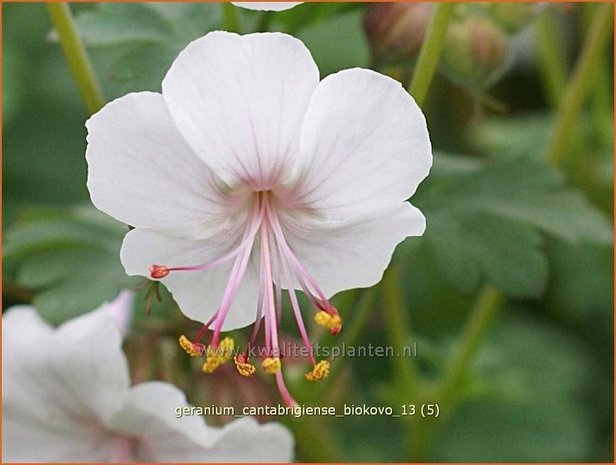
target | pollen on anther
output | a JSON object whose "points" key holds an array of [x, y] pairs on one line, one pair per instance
{"points": [[271, 365], [333, 322], [243, 366], [319, 371], [216, 356], [193, 349], [158, 271]]}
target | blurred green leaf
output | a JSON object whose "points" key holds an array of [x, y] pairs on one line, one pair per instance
{"points": [[483, 223], [43, 134], [12, 86], [310, 14], [338, 43], [512, 137], [112, 24], [134, 44], [69, 257], [507, 252], [150, 23], [581, 287], [533, 409]]}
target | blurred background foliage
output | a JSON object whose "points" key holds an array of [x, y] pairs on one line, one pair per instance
{"points": [[540, 387]]}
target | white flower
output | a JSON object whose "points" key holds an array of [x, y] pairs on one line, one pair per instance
{"points": [[66, 397], [248, 175], [267, 6]]}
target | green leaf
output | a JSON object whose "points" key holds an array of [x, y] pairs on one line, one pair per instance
{"points": [[151, 23], [531, 407], [112, 24], [309, 14], [484, 220], [506, 252], [69, 257], [134, 44], [512, 137], [347, 34], [581, 287]]}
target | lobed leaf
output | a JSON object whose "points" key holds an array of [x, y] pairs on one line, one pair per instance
{"points": [[531, 407], [69, 258], [484, 222]]}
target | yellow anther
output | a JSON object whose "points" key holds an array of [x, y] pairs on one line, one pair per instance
{"points": [[271, 365], [210, 365], [331, 322], [193, 349], [216, 356], [319, 371], [243, 366], [225, 348]]}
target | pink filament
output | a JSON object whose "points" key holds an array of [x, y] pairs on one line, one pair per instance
{"points": [[264, 221]]}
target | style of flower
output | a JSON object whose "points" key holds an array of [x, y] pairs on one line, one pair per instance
{"points": [[68, 399], [267, 6], [248, 176]]}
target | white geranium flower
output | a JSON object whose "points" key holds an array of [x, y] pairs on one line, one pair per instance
{"points": [[267, 6], [68, 399], [248, 176]]}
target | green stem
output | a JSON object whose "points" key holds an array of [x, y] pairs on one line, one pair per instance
{"points": [[399, 333], [76, 56], [264, 21], [229, 17], [431, 51], [577, 89], [481, 316], [443, 393], [552, 63], [602, 88], [553, 67]]}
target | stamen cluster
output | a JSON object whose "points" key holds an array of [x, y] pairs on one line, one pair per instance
{"points": [[265, 225]]}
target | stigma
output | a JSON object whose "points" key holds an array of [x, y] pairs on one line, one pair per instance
{"points": [[158, 271]]}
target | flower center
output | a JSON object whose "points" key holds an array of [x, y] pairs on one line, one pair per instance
{"points": [[265, 227]]}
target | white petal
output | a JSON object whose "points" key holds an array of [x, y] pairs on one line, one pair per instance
{"points": [[142, 172], [240, 100], [245, 440], [27, 438], [121, 310], [149, 414], [88, 356], [267, 6], [355, 252], [59, 386], [198, 293], [23, 320], [364, 145]]}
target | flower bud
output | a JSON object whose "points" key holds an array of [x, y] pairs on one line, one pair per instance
{"points": [[396, 30], [475, 52]]}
